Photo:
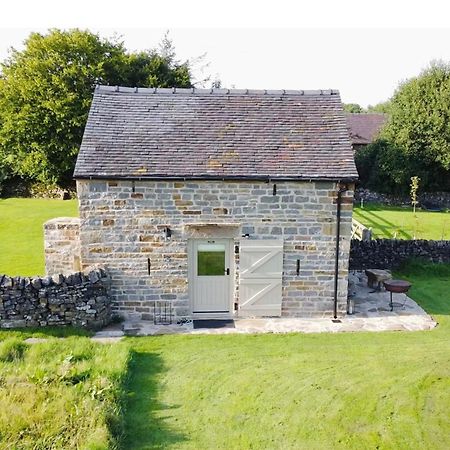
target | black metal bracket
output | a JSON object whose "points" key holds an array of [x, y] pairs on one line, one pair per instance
{"points": [[298, 267], [149, 265]]}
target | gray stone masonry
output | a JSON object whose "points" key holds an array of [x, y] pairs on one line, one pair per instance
{"points": [[62, 245], [122, 225], [79, 299], [391, 253]]}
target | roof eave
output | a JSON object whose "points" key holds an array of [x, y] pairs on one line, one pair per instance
{"points": [[266, 178]]}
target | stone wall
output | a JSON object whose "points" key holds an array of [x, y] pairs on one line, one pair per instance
{"points": [[390, 253], [62, 245], [79, 299], [441, 199], [123, 223]]}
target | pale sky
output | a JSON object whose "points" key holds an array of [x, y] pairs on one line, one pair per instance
{"points": [[365, 64]]}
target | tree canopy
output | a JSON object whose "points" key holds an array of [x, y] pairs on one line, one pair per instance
{"points": [[416, 139], [46, 92], [353, 108]]}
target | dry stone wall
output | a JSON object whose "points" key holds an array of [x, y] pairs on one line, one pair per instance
{"points": [[441, 199], [391, 253], [79, 299], [123, 222]]}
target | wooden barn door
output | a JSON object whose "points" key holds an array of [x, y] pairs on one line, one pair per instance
{"points": [[260, 278]]}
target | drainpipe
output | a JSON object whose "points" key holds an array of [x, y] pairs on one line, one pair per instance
{"points": [[341, 190]]}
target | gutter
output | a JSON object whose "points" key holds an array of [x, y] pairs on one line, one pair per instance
{"points": [[264, 178], [341, 190]]}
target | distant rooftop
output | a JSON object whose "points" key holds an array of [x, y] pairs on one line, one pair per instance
{"points": [[157, 133], [364, 128]]}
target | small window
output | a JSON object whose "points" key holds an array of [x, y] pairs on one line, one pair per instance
{"points": [[210, 259]]}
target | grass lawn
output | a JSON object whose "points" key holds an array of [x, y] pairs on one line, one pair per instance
{"points": [[360, 390], [390, 222], [21, 233]]}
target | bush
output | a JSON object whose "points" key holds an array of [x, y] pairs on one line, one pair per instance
{"points": [[383, 168]]}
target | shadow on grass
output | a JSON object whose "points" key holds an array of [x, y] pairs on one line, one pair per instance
{"points": [[387, 228], [145, 416]]}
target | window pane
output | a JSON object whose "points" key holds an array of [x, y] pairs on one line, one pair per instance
{"points": [[210, 259]]}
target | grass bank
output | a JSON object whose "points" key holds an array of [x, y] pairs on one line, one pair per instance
{"points": [[401, 223], [21, 232], [61, 394]]}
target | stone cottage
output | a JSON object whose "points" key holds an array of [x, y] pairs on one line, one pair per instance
{"points": [[217, 203]]}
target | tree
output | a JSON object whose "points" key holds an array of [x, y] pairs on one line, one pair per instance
{"points": [[46, 92], [382, 107], [418, 127], [353, 108], [157, 68], [414, 187]]}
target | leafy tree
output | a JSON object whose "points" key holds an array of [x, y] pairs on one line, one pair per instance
{"points": [[46, 91], [157, 68], [382, 167], [353, 108], [418, 127], [416, 138], [382, 107]]}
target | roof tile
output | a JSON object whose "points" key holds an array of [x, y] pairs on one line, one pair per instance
{"points": [[215, 133]]}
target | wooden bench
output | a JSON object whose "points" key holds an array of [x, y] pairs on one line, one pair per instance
{"points": [[377, 276]]}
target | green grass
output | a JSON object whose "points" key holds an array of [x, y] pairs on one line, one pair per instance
{"points": [[44, 333], [349, 391], [296, 391], [402, 223], [21, 232], [61, 394]]}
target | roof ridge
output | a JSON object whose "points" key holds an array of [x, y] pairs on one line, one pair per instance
{"points": [[214, 91]]}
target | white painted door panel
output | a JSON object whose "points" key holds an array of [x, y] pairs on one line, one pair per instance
{"points": [[210, 272], [260, 278]]}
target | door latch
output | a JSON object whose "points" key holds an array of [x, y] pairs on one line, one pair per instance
{"points": [[228, 271]]}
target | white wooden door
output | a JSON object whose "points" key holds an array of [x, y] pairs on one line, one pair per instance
{"points": [[211, 276], [260, 278]]}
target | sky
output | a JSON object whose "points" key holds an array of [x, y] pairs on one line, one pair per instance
{"points": [[268, 48]]}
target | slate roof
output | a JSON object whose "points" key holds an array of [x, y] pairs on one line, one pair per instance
{"points": [[215, 134], [365, 127]]}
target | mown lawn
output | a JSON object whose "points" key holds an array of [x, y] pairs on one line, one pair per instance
{"points": [[401, 223], [349, 391], [21, 232]]}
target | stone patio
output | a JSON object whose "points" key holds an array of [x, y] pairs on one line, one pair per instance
{"points": [[371, 313]]}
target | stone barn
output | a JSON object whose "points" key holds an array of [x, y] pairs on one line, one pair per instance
{"points": [[215, 203]]}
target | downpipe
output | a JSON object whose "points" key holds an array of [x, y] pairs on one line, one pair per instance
{"points": [[341, 189]]}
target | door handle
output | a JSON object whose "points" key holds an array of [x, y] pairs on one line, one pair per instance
{"points": [[228, 271]]}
